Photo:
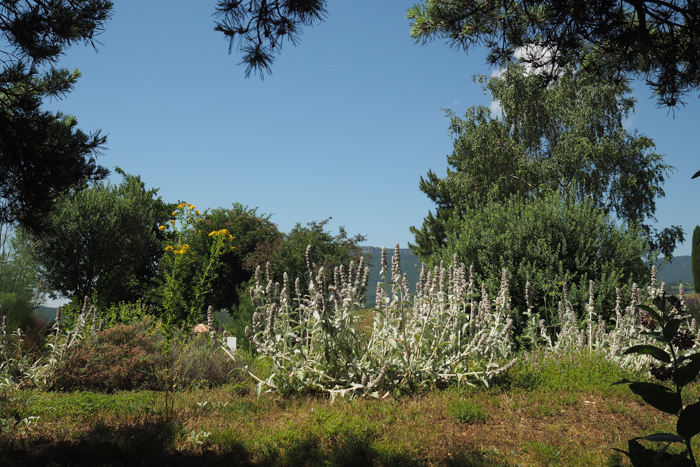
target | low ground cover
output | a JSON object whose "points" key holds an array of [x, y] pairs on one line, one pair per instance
{"points": [[545, 411]]}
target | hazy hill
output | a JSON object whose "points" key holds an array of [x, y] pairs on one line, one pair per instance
{"points": [[45, 313], [676, 270]]}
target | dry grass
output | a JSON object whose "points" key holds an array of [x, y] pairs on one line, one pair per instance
{"points": [[523, 427]]}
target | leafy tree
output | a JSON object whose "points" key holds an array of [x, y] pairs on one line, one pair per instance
{"points": [[261, 26], [546, 241], [43, 154], [104, 242], [695, 259], [327, 251], [20, 286], [253, 234], [656, 40], [564, 136]]}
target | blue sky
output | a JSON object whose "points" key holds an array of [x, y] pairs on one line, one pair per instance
{"points": [[343, 128]]}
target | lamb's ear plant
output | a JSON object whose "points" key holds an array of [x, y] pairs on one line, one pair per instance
{"points": [[327, 341], [678, 365]]}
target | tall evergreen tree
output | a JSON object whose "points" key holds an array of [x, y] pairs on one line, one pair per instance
{"points": [[695, 259], [43, 154]]}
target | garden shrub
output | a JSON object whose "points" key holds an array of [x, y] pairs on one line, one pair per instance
{"points": [[120, 358], [548, 241]]}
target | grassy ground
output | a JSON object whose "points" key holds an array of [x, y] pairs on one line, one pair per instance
{"points": [[546, 411]]}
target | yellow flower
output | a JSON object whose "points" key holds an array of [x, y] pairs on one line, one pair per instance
{"points": [[172, 221], [174, 213], [222, 233], [161, 228], [168, 248], [181, 205], [197, 212]]}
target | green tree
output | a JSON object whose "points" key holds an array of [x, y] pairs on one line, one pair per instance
{"points": [[327, 251], [546, 241], [43, 154], [695, 259], [104, 242], [21, 290], [655, 40], [564, 136], [253, 235]]}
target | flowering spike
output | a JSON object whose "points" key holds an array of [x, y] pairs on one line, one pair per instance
{"points": [[384, 269], [309, 264]]}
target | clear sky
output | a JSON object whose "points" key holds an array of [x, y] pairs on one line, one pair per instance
{"points": [[343, 128]]}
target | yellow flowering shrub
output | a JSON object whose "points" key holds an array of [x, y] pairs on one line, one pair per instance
{"points": [[188, 275]]}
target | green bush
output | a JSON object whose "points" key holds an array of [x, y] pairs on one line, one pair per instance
{"points": [[547, 241]]}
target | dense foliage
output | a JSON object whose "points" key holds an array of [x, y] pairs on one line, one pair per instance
{"points": [[327, 251], [677, 365], [43, 154], [254, 236], [544, 242], [654, 40], [567, 136], [104, 242], [20, 285]]}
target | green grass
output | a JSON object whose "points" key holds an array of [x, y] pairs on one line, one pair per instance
{"points": [[545, 411]]}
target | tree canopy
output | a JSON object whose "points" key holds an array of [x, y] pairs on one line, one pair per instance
{"points": [[547, 241], [252, 231], [327, 251], [43, 154], [565, 135], [104, 242], [656, 40]]}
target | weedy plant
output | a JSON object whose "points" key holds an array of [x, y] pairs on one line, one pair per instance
{"points": [[184, 294], [21, 367], [595, 334], [326, 340], [678, 365]]}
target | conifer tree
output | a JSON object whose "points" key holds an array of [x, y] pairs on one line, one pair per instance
{"points": [[695, 259]]}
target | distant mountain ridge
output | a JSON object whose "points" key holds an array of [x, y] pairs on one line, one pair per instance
{"points": [[676, 270]]}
